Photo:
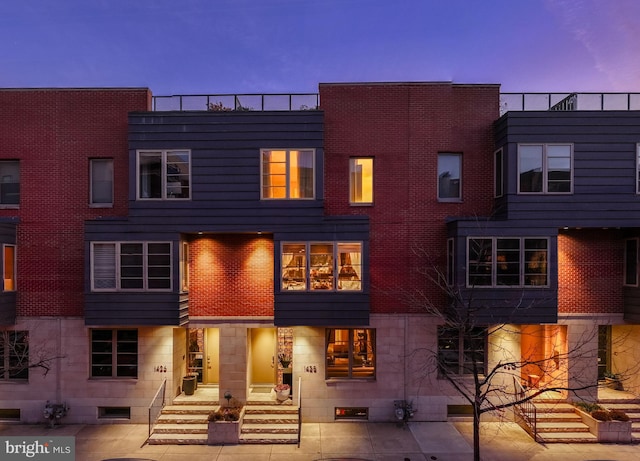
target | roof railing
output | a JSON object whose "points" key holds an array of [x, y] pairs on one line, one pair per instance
{"points": [[568, 101], [238, 102]]}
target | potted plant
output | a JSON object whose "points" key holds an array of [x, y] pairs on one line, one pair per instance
{"points": [[281, 392], [606, 425], [612, 381], [284, 359], [224, 424]]}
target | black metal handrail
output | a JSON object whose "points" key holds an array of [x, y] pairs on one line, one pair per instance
{"points": [[237, 102], [157, 404], [526, 410], [299, 409], [570, 101]]}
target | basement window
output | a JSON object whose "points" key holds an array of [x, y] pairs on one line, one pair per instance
{"points": [[114, 412], [9, 414], [352, 413]]}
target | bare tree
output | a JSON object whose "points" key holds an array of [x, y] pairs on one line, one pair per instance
{"points": [[516, 370], [18, 357]]}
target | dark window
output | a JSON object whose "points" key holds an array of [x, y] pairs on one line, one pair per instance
{"points": [[499, 174], [14, 353], [631, 262], [114, 353], [460, 351]]}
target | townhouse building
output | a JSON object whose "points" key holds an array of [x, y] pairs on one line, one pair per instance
{"points": [[149, 239]]}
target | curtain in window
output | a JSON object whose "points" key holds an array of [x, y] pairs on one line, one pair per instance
{"points": [[104, 266]]}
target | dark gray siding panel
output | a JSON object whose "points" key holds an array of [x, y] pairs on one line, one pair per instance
{"points": [[322, 309], [133, 309], [604, 182]]}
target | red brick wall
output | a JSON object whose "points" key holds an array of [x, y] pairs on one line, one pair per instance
{"points": [[590, 272], [404, 127], [231, 275], [54, 133]]}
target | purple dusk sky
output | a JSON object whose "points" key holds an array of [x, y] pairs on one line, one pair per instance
{"points": [[273, 46]]}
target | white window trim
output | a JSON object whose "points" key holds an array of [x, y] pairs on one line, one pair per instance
{"points": [[494, 250], [93, 204], [288, 182], [545, 169], [163, 177], [145, 276]]}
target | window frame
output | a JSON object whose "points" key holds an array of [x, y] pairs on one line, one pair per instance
{"points": [[370, 350], [5, 179], [462, 347], [489, 264], [6, 355], [634, 266], [458, 156], [638, 168], [92, 181], [365, 181], [342, 271], [545, 168], [288, 167], [164, 176], [118, 265], [116, 352]]}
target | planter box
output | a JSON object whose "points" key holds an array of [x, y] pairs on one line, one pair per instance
{"points": [[607, 431], [224, 432]]}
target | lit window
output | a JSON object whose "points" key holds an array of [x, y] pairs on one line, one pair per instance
{"points": [[101, 182], [9, 182], [461, 352], [114, 353], [287, 174], [361, 180], [131, 266], [317, 272], [507, 262], [9, 267], [544, 168], [164, 175], [449, 177], [351, 353], [184, 267], [14, 355]]}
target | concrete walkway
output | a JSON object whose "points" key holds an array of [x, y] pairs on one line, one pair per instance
{"points": [[442, 441]]}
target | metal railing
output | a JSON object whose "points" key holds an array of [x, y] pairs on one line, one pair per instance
{"points": [[299, 409], [526, 412], [568, 101], [237, 102], [156, 405]]}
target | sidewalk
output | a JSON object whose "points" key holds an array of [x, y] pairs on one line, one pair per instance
{"points": [[442, 441]]}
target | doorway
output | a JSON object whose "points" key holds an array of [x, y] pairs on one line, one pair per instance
{"points": [[203, 345], [262, 352]]}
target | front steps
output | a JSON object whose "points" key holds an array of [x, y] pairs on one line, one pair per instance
{"points": [[265, 422], [558, 422], [632, 409]]}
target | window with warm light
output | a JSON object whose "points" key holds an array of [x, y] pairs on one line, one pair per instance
{"points": [[361, 180], [287, 174], [184, 267], [321, 266], [350, 353], [9, 267]]}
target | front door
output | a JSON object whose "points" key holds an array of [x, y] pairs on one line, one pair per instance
{"points": [[211, 357], [263, 356]]}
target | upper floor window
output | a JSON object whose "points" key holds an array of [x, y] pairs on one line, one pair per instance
{"points": [[322, 266], [9, 267], [287, 174], [507, 262], [130, 266], [631, 262], [9, 182], [164, 174], [361, 180], [114, 353], [638, 169], [449, 177], [351, 353], [498, 174], [101, 177], [545, 168], [460, 351]]}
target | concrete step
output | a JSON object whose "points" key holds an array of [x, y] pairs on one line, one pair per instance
{"points": [[188, 409], [184, 428], [555, 408], [270, 409], [561, 427], [177, 439], [269, 428], [567, 437], [268, 438], [182, 418], [558, 417], [270, 419]]}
